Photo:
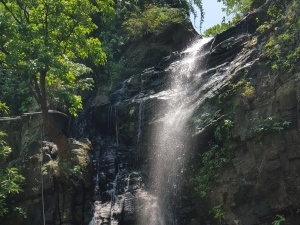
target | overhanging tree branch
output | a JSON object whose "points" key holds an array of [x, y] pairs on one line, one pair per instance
{"points": [[10, 11]]}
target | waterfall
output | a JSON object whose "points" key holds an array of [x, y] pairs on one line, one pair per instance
{"points": [[140, 124], [168, 154], [143, 185]]}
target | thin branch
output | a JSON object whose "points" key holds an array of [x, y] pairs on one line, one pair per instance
{"points": [[25, 12], [63, 38], [11, 12]]}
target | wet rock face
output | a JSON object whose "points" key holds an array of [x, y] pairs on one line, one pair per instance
{"points": [[263, 177]]}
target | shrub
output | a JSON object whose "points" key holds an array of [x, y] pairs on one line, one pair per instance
{"points": [[10, 179], [153, 20]]}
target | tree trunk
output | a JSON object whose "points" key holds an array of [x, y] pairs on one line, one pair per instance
{"points": [[63, 147]]}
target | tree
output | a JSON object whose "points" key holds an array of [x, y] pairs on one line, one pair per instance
{"points": [[42, 43]]}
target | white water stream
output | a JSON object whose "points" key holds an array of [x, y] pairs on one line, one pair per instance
{"points": [[167, 158], [156, 204]]}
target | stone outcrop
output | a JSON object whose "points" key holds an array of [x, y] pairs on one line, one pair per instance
{"points": [[44, 196]]}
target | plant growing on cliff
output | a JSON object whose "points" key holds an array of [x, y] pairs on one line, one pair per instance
{"points": [[234, 9], [282, 48], [42, 43], [218, 214], [10, 179], [243, 89], [213, 159], [74, 174], [153, 20], [269, 123], [279, 220]]}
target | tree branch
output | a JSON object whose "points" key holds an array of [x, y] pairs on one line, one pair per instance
{"points": [[63, 38], [11, 12]]}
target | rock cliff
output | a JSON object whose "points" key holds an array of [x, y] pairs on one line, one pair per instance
{"points": [[235, 107]]}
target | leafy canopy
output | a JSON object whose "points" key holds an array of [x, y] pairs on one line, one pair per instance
{"points": [[46, 39]]}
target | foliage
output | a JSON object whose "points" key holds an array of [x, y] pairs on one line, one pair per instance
{"points": [[282, 48], [234, 9], [41, 43], [279, 220], [10, 179], [249, 91], [73, 172], [269, 123], [3, 108], [153, 20], [15, 92], [243, 89], [217, 213], [218, 28], [213, 159], [113, 40]]}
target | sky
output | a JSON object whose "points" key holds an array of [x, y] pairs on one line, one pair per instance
{"points": [[213, 14]]}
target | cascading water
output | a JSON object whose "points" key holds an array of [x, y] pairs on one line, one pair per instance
{"points": [[167, 157], [153, 195], [140, 124]]}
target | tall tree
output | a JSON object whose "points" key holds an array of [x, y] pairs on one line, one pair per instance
{"points": [[42, 43]]}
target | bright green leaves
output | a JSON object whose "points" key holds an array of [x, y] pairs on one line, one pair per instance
{"points": [[95, 50], [234, 9], [105, 7], [51, 37], [9, 184], [10, 179], [153, 20], [3, 108], [220, 152], [76, 103], [214, 30], [283, 48], [4, 149], [65, 81]]}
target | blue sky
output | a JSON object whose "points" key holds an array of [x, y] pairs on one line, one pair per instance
{"points": [[213, 14]]}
